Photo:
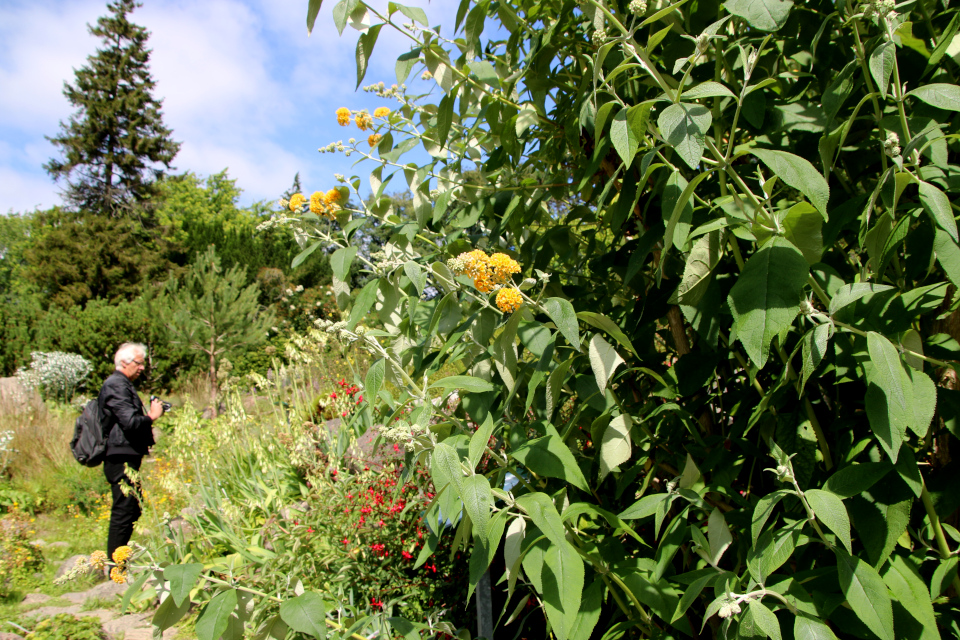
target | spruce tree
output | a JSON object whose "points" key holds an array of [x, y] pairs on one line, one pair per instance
{"points": [[115, 146]]}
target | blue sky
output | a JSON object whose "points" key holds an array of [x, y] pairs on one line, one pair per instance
{"points": [[243, 87]]}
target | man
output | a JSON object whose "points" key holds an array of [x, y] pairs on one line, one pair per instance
{"points": [[129, 437]]}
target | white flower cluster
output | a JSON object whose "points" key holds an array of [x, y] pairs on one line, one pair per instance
{"points": [[402, 432], [637, 7], [55, 374], [381, 90]]}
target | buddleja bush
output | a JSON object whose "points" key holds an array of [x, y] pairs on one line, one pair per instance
{"points": [[724, 375], [56, 375]]}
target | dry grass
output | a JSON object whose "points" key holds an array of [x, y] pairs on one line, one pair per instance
{"points": [[41, 435]]}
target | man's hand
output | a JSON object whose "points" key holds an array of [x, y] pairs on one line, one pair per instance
{"points": [[156, 409]]}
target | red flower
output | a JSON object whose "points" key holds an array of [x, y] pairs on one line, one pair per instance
{"points": [[309, 530], [376, 603], [381, 524], [406, 555], [334, 395], [345, 541], [362, 520], [396, 448]]}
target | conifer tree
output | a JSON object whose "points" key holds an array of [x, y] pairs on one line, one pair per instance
{"points": [[115, 146], [213, 311]]}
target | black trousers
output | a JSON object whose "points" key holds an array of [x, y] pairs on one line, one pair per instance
{"points": [[126, 508]]}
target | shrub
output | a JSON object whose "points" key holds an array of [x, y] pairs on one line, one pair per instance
{"points": [[63, 626], [19, 558], [55, 375]]}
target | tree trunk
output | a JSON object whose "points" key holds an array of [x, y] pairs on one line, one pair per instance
{"points": [[213, 376]]}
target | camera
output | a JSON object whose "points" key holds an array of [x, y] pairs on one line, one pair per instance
{"points": [[166, 405]]}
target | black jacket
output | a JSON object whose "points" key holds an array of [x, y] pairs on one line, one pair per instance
{"points": [[130, 432]]}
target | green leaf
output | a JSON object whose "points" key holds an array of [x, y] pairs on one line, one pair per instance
{"points": [[615, 448], [589, 613], [878, 524], [273, 628], [814, 348], [936, 203], [416, 274], [182, 578], [549, 456], [363, 303], [479, 440], [169, 613], [940, 95], [467, 383], [374, 380], [477, 498], [948, 255], [341, 13], [866, 594], [718, 533], [763, 510], [485, 72], [133, 590], [830, 511], [555, 385], [803, 227], [684, 126], [882, 61], [405, 62], [765, 619], [704, 257], [625, 139], [604, 360], [602, 322], [855, 479], [909, 589], [305, 614], [341, 260], [216, 615], [850, 293], [303, 255], [692, 593], [644, 507], [943, 575], [772, 551], [708, 89], [562, 581], [678, 217], [806, 627], [414, 13], [544, 514], [313, 8], [890, 398], [799, 174], [444, 119], [766, 297], [565, 318], [766, 15], [365, 44]]}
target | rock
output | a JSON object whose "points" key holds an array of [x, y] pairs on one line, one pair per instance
{"points": [[106, 590], [46, 612], [293, 511], [76, 597], [67, 565], [59, 544], [105, 615], [189, 512], [182, 528], [35, 598], [6, 635], [128, 626], [207, 414], [39, 543]]}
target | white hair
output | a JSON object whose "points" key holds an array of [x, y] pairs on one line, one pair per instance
{"points": [[128, 352]]}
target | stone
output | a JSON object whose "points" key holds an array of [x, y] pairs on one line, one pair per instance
{"points": [[189, 512], [76, 597], [128, 626], [182, 528], [46, 612], [6, 635], [59, 544], [207, 414], [67, 565], [35, 598], [106, 590]]}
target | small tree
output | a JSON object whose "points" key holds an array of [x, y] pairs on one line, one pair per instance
{"points": [[211, 311]]}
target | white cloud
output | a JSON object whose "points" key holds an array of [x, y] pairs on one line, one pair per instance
{"points": [[242, 84]]}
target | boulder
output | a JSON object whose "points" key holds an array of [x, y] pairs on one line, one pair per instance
{"points": [[67, 565], [106, 590], [35, 598], [6, 635]]}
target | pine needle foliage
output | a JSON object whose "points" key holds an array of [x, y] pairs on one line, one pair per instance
{"points": [[115, 146]]}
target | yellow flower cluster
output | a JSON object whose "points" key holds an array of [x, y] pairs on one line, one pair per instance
{"points": [[325, 204], [118, 575], [343, 116], [509, 300], [364, 121], [374, 139], [98, 559], [381, 112], [122, 554], [297, 201], [487, 271]]}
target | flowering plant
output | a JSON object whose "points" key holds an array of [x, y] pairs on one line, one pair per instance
{"points": [[56, 374]]}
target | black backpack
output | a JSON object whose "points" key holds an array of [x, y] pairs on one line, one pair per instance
{"points": [[89, 444]]}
